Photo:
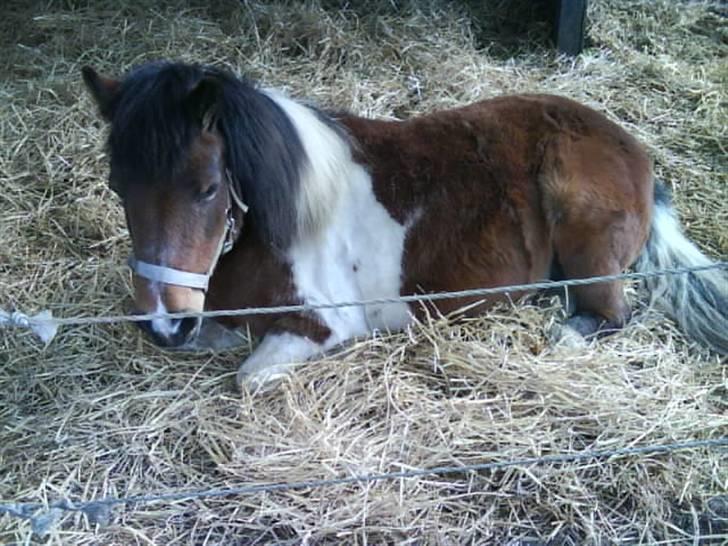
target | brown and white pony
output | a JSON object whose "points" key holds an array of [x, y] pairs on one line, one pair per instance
{"points": [[316, 207]]}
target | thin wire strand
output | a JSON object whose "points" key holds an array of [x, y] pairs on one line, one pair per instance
{"points": [[412, 298], [99, 509], [27, 510]]}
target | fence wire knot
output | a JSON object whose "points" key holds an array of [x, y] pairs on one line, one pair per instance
{"points": [[41, 324]]}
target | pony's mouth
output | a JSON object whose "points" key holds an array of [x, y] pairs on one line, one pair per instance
{"points": [[171, 332]]}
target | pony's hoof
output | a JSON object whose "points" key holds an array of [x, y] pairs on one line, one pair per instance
{"points": [[261, 381], [563, 335]]}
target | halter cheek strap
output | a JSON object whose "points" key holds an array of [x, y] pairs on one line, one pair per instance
{"points": [[199, 281]]}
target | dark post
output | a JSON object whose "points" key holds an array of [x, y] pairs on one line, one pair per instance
{"points": [[570, 21]]}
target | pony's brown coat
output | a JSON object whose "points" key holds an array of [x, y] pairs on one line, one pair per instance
{"points": [[507, 186], [504, 191], [495, 192]]}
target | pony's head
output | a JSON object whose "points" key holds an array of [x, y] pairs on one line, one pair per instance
{"points": [[183, 184]]}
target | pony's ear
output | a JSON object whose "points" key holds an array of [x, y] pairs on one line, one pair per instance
{"points": [[202, 101], [104, 90]]}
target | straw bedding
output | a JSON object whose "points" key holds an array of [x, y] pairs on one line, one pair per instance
{"points": [[100, 411]]}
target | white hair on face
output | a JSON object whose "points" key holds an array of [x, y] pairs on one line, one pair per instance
{"points": [[325, 176]]}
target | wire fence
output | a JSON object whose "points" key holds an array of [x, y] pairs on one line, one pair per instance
{"points": [[43, 517], [19, 319]]}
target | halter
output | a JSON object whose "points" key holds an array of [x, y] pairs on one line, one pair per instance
{"points": [[200, 281]]}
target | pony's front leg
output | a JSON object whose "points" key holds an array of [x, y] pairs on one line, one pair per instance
{"points": [[275, 358]]}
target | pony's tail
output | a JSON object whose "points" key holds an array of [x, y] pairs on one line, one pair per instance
{"points": [[698, 302]]}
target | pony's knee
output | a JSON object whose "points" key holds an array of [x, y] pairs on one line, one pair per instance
{"points": [[274, 359]]}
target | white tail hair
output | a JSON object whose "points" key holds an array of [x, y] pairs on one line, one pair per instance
{"points": [[698, 302]]}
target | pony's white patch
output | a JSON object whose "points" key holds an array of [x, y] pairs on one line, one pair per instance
{"points": [[275, 358], [348, 248], [324, 177], [356, 256], [163, 326]]}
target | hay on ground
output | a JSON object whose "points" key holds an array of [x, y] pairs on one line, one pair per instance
{"points": [[101, 412]]}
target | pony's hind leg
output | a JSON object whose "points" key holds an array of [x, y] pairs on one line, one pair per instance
{"points": [[598, 198], [598, 310], [599, 307]]}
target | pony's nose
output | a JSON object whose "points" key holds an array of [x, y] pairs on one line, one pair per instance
{"points": [[171, 332]]}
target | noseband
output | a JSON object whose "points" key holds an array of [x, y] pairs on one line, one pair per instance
{"points": [[200, 281]]}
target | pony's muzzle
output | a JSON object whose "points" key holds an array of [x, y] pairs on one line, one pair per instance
{"points": [[172, 332]]}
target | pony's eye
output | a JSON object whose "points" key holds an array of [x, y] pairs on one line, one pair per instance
{"points": [[209, 193]]}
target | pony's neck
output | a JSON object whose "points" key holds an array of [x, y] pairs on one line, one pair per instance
{"points": [[325, 175]]}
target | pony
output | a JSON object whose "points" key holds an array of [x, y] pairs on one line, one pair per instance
{"points": [[238, 196]]}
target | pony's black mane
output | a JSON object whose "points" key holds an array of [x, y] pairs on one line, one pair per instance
{"points": [[159, 112]]}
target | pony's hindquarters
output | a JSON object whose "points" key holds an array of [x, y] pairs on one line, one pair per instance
{"points": [[698, 302], [597, 193]]}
